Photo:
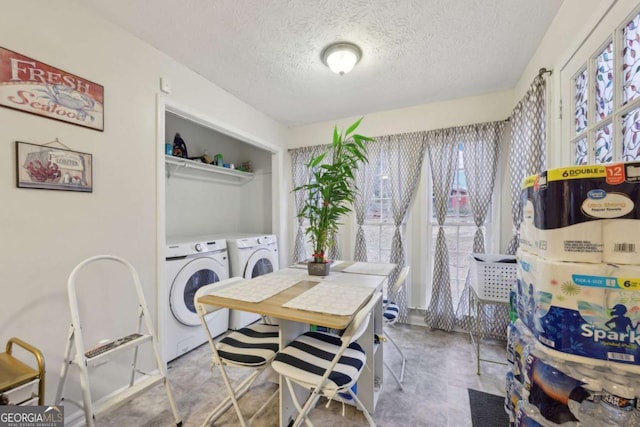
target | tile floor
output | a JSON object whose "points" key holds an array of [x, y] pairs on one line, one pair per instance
{"points": [[440, 368]]}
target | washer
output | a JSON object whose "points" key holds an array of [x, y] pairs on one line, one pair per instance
{"points": [[191, 262], [250, 255]]}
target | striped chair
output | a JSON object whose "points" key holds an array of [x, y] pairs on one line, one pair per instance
{"points": [[253, 347], [390, 316], [326, 364]]}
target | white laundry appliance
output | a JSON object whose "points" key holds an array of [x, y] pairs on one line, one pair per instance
{"points": [[250, 255], [191, 262]]}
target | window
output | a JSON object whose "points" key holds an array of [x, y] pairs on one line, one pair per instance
{"points": [[606, 99], [378, 226], [459, 229]]}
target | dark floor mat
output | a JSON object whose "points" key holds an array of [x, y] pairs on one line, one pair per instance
{"points": [[487, 410]]}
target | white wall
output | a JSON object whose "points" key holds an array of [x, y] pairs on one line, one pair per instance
{"points": [[44, 234]]}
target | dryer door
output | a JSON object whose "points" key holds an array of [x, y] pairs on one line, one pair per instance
{"points": [[197, 273], [262, 261]]}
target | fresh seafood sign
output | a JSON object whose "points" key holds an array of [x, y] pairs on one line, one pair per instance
{"points": [[42, 166], [34, 87]]}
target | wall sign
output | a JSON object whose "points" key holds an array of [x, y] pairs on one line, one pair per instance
{"points": [[37, 88], [41, 166]]}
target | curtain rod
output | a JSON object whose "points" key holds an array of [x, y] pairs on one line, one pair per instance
{"points": [[543, 71]]}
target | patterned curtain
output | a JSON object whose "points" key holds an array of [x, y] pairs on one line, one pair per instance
{"points": [[364, 180], [480, 156], [442, 149], [528, 148], [405, 154], [334, 251], [301, 175]]}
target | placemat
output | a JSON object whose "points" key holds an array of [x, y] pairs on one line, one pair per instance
{"points": [[374, 268], [257, 289], [342, 266], [331, 298]]}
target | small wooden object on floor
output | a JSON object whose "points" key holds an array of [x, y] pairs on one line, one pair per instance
{"points": [[17, 378]]}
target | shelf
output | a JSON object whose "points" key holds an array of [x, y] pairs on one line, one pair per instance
{"points": [[195, 168]]}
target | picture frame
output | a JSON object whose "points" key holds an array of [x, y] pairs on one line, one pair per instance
{"points": [[50, 168], [37, 88]]}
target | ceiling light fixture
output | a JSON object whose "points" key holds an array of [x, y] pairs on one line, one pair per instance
{"points": [[341, 57]]}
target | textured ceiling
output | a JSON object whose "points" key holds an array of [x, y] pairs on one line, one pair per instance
{"points": [[267, 52]]}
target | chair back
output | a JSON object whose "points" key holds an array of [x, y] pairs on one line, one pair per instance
{"points": [[360, 321], [204, 309], [402, 277]]}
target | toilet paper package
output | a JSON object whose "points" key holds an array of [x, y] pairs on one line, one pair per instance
{"points": [[577, 209], [621, 239], [587, 310], [528, 231], [565, 232], [621, 228]]}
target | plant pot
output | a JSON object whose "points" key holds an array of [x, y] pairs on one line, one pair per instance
{"points": [[318, 268]]}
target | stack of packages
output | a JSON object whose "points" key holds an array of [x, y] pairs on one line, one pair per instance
{"points": [[574, 342]]}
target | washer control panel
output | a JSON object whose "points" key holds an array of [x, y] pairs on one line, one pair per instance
{"points": [[182, 249]]}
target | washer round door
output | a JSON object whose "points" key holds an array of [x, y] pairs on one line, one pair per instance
{"points": [[194, 275], [260, 262]]}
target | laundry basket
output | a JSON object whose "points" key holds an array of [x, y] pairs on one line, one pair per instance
{"points": [[492, 276]]}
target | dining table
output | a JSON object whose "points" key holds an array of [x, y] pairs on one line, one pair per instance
{"points": [[297, 301]]}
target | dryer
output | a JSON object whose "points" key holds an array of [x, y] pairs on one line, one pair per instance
{"points": [[191, 262], [250, 255]]}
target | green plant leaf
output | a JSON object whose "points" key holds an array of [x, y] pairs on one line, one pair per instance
{"points": [[354, 126], [332, 191]]}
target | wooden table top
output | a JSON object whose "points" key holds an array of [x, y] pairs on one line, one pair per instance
{"points": [[273, 306]]}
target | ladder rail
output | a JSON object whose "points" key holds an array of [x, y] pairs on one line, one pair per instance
{"points": [[134, 362], [81, 359]]}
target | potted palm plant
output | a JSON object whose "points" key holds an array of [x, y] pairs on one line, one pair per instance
{"points": [[331, 192]]}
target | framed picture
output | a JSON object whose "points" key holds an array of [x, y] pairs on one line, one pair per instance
{"points": [[49, 168], [37, 88]]}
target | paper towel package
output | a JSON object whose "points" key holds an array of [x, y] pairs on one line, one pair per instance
{"points": [[526, 274], [577, 209], [585, 309]]}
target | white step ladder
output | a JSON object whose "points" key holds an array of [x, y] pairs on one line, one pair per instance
{"points": [[86, 359]]}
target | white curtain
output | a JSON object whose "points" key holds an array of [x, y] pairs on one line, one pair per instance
{"points": [[528, 148], [442, 148], [480, 156], [405, 154], [301, 175], [364, 179]]}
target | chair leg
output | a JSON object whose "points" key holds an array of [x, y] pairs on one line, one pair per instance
{"points": [[304, 413], [296, 403], [393, 374], [360, 406], [404, 359], [264, 405], [232, 397]]}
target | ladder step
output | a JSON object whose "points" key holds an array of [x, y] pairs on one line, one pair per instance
{"points": [[94, 355], [127, 394]]}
